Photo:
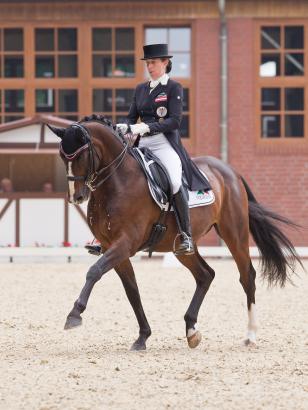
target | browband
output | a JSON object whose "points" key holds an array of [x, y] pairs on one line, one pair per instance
{"points": [[75, 154]]}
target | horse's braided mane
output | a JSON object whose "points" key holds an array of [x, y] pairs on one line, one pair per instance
{"points": [[99, 118], [106, 122]]}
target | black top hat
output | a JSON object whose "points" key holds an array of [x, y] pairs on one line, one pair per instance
{"points": [[155, 51]]}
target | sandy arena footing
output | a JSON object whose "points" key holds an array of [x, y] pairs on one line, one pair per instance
{"points": [[44, 367]]}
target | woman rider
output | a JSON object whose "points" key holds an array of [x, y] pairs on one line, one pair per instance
{"points": [[158, 103]]}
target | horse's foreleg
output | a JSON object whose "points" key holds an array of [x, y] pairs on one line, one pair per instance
{"points": [[127, 276], [114, 255], [203, 275]]}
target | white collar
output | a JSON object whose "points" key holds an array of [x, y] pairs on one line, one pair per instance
{"points": [[162, 80]]}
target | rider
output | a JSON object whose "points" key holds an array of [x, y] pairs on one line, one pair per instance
{"points": [[158, 103]]}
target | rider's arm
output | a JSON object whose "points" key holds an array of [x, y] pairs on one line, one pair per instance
{"points": [[175, 107]]}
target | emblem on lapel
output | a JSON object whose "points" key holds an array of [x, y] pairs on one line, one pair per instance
{"points": [[161, 97], [161, 111]]}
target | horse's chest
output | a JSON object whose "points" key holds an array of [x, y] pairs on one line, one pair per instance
{"points": [[98, 218]]}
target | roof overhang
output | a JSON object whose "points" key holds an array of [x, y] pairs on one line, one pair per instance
{"points": [[31, 135]]}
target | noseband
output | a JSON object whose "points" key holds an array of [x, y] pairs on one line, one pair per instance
{"points": [[92, 178]]}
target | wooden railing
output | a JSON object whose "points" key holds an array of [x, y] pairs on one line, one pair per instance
{"points": [[18, 196]]}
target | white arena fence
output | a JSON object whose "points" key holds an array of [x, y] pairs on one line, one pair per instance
{"points": [[42, 220], [80, 255]]}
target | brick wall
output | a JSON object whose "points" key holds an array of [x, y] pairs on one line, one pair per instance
{"points": [[279, 180]]}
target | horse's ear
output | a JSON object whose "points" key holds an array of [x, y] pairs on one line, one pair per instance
{"points": [[58, 131]]}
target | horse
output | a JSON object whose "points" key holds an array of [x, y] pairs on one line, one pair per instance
{"points": [[121, 213]]}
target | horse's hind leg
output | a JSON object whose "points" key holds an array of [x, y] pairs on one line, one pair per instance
{"points": [[127, 276], [203, 275], [235, 232]]}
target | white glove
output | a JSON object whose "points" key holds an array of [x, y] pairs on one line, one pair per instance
{"points": [[141, 128], [122, 127]]}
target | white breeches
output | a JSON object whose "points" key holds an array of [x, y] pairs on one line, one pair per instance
{"points": [[161, 147]]}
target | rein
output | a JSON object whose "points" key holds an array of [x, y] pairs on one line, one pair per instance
{"points": [[92, 179]]}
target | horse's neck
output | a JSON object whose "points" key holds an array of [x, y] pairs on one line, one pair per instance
{"points": [[125, 181], [111, 148]]}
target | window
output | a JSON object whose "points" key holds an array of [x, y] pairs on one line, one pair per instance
{"points": [[62, 103], [179, 46], [11, 53], [282, 112], [56, 52], [282, 51], [282, 79], [113, 103], [113, 52], [12, 105]]}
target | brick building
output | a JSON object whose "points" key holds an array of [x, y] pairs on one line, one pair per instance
{"points": [[72, 58]]}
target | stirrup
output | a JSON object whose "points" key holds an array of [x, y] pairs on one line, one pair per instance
{"points": [[94, 249], [186, 246]]}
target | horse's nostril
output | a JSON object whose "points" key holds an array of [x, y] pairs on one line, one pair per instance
{"points": [[79, 198]]}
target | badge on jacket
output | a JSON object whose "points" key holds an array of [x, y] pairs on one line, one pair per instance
{"points": [[161, 97], [161, 111]]}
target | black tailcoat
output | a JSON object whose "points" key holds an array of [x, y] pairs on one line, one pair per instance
{"points": [[162, 111]]}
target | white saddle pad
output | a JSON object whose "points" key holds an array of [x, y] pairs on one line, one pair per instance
{"points": [[196, 198], [200, 198]]}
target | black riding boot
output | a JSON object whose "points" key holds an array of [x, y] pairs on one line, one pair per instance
{"points": [[180, 203]]}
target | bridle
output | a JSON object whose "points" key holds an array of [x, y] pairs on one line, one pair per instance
{"points": [[92, 179]]}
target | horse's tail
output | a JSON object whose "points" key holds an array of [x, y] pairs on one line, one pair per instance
{"points": [[278, 255]]}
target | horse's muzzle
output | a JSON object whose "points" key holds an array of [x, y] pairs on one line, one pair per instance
{"points": [[79, 197], [78, 200]]}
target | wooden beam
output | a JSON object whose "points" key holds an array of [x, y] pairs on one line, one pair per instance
{"points": [[66, 221], [267, 8], [5, 208], [17, 223], [108, 11]]}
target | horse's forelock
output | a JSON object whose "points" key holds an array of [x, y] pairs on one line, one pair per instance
{"points": [[73, 139]]}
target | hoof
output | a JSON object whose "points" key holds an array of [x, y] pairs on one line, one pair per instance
{"points": [[251, 339], [250, 343], [72, 321], [137, 346], [194, 340]]}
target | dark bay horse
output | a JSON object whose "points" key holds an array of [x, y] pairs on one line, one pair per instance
{"points": [[121, 213]]}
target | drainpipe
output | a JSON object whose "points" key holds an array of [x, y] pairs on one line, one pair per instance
{"points": [[223, 82]]}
